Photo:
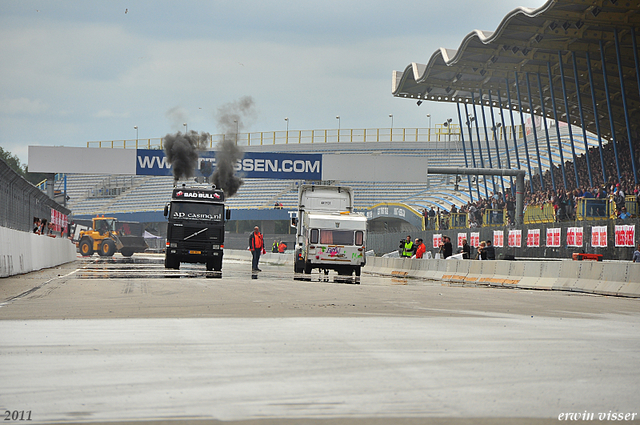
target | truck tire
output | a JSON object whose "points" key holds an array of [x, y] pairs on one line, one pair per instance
{"points": [[107, 248], [307, 268], [298, 266], [170, 262], [86, 247], [126, 252], [357, 270]]}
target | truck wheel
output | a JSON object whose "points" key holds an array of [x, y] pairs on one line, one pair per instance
{"points": [[307, 268], [126, 252], [358, 270], [171, 263], [107, 248], [298, 266], [86, 247]]}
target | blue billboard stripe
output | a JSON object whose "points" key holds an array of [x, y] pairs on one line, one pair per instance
{"points": [[296, 166]]}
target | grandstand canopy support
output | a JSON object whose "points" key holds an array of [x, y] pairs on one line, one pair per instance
{"points": [[519, 174]]}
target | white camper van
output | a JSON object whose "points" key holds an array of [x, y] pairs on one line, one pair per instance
{"points": [[329, 236]]}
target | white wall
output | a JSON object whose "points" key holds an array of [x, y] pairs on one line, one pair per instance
{"points": [[23, 252]]}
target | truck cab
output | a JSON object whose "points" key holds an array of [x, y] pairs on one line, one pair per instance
{"points": [[195, 231]]}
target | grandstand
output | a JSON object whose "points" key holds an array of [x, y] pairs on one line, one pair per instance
{"points": [[99, 194]]}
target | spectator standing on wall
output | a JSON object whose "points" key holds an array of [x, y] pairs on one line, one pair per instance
{"points": [[490, 250], [36, 225], [481, 254], [256, 245]]}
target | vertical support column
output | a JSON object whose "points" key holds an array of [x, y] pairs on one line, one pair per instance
{"points": [[596, 118], [506, 138], [546, 132], [611, 122], [513, 126], [582, 123], [475, 115], [473, 156], [464, 150], [486, 138], [555, 116], [495, 139], [624, 104], [535, 131], [566, 108], [524, 133]]}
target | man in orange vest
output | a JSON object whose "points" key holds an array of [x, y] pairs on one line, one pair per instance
{"points": [[421, 249], [256, 245], [282, 247]]}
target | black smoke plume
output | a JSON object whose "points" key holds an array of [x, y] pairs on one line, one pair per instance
{"points": [[182, 152], [230, 119]]}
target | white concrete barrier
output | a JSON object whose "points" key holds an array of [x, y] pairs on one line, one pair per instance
{"points": [[23, 252], [605, 278]]}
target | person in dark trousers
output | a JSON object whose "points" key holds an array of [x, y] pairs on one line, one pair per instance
{"points": [[636, 255], [274, 247], [256, 245], [491, 251], [446, 248], [407, 247], [466, 250]]}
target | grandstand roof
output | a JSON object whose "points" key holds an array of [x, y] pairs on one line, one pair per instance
{"points": [[552, 39]]}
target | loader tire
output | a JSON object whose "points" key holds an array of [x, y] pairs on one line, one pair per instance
{"points": [[107, 248], [86, 247]]}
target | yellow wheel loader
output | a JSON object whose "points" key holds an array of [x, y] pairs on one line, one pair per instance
{"points": [[104, 238]]}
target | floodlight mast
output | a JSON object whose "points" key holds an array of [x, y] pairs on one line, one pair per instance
{"points": [[519, 174]]}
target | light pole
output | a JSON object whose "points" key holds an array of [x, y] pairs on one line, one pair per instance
{"points": [[136, 128], [391, 116], [338, 118], [429, 116], [447, 124], [429, 128], [237, 130], [287, 120], [186, 129]]}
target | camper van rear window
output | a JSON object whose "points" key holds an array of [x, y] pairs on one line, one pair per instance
{"points": [[336, 237], [196, 211], [359, 237]]}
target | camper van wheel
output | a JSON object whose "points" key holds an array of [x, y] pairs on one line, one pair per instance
{"points": [[307, 268], [358, 270]]}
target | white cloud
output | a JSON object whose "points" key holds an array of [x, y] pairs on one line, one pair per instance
{"points": [[22, 105]]}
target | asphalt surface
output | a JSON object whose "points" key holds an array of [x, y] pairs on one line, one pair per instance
{"points": [[125, 341]]}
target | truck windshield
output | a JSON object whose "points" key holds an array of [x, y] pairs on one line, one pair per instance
{"points": [[196, 211]]}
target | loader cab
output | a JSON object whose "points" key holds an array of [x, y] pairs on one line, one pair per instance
{"points": [[104, 225]]}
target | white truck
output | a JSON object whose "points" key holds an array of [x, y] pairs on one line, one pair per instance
{"points": [[329, 236]]}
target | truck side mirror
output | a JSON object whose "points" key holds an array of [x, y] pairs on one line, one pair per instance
{"points": [[166, 210], [228, 214]]}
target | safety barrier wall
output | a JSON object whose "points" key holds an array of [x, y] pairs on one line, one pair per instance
{"points": [[605, 278], [23, 252]]}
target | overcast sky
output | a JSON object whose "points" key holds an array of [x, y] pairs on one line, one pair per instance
{"points": [[88, 70]]}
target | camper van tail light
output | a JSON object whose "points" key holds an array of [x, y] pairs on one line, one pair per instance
{"points": [[312, 247], [361, 249], [317, 257], [172, 244]]}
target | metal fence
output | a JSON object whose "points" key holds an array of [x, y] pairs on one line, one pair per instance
{"points": [[20, 201]]}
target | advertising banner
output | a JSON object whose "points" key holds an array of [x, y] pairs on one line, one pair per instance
{"points": [[461, 237], [267, 165], [625, 235], [515, 238], [475, 239], [437, 239], [574, 236], [498, 238], [599, 236], [533, 238], [553, 237]]}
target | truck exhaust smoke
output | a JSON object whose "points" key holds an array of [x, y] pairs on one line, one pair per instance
{"points": [[182, 152], [231, 119]]}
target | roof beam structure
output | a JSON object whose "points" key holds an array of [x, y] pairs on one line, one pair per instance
{"points": [[531, 40]]}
